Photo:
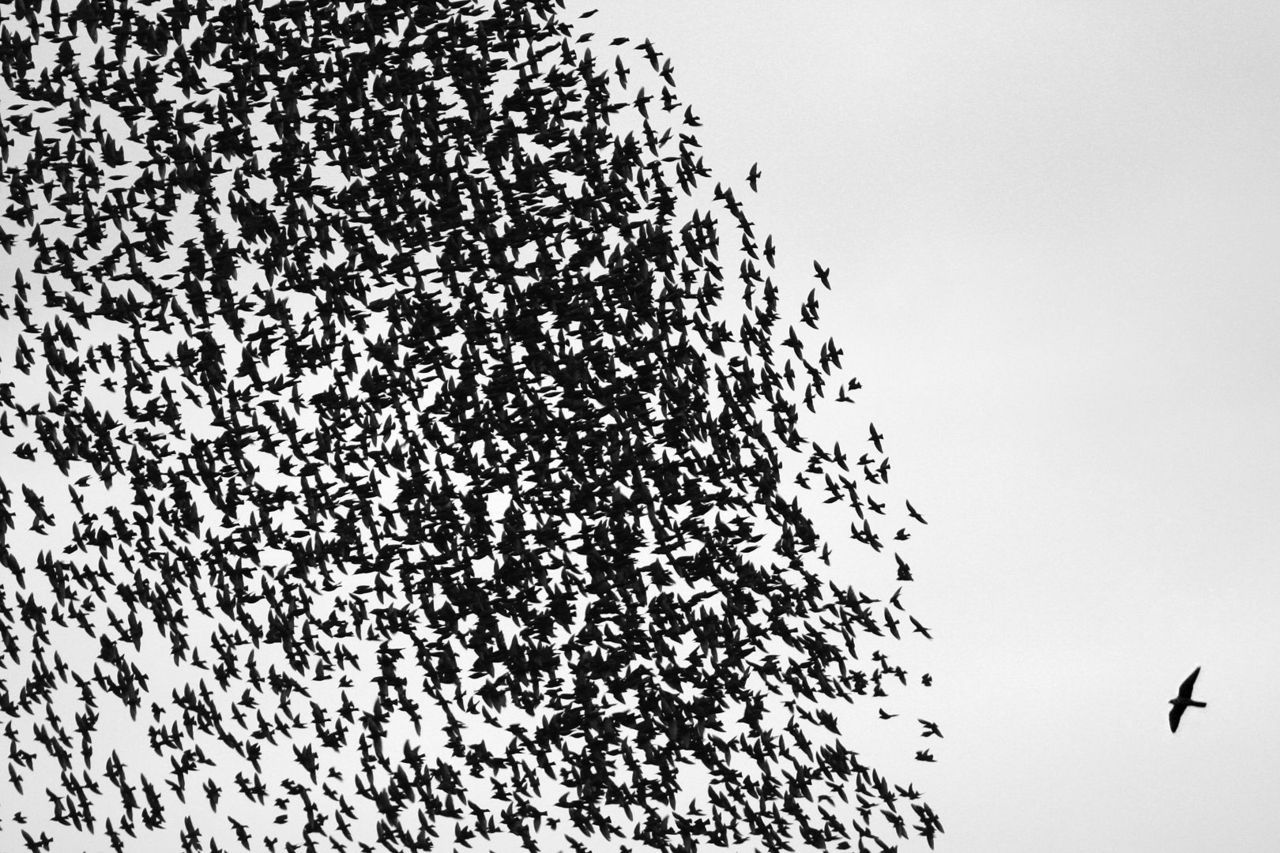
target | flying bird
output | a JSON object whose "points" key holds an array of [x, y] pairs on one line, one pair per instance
{"points": [[822, 274], [877, 439], [1183, 701]]}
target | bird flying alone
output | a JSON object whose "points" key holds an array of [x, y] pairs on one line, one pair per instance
{"points": [[1183, 701]]}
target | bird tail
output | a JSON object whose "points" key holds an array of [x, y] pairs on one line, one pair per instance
{"points": [[1192, 703]]}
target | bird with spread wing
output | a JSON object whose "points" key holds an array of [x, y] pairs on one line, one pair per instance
{"points": [[1183, 701]]}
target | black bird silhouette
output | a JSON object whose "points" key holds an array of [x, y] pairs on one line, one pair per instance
{"points": [[823, 274], [1183, 701], [914, 513], [877, 439]]}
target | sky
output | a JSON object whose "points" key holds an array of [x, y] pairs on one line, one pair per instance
{"points": [[1052, 234]]}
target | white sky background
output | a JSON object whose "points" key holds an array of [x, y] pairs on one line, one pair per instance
{"points": [[1054, 234]]}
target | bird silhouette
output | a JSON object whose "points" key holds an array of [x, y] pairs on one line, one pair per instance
{"points": [[1183, 701]]}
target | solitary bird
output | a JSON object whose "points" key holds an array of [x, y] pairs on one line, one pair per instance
{"points": [[1184, 701]]}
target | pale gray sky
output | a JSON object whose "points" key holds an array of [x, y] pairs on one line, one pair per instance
{"points": [[1053, 236]]}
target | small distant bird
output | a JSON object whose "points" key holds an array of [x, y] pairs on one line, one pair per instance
{"points": [[822, 274], [885, 715], [892, 624], [924, 755], [1184, 701], [877, 439], [753, 176]]}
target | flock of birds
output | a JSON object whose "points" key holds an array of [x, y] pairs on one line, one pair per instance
{"points": [[385, 466]]}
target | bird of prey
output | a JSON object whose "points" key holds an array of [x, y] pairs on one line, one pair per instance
{"points": [[1183, 701]]}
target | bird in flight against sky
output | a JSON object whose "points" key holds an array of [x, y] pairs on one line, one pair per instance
{"points": [[1183, 701]]}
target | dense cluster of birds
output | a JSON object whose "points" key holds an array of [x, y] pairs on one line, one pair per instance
{"points": [[383, 465]]}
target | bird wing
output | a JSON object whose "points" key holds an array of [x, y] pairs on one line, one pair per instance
{"points": [[1184, 692], [1175, 716]]}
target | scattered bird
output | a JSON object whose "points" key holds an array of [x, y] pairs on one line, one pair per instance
{"points": [[822, 274], [877, 439]]}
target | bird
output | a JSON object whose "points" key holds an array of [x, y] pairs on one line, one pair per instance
{"points": [[753, 176], [877, 439], [823, 274], [891, 624], [1183, 701]]}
